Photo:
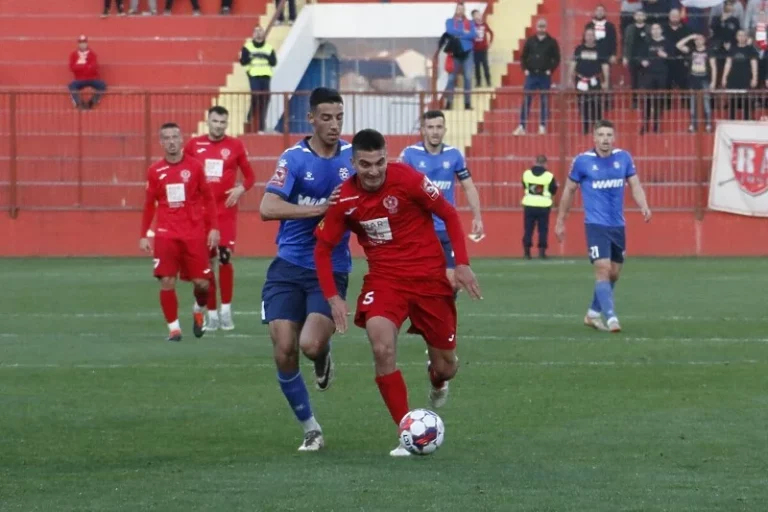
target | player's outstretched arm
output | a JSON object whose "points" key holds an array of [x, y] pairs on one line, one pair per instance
{"points": [[638, 194], [566, 201], [328, 234]]}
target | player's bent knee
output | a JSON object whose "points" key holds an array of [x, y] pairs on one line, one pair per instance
{"points": [[284, 350], [201, 284], [602, 269], [446, 365], [167, 283]]}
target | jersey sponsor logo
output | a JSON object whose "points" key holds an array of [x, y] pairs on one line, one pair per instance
{"points": [[310, 201], [278, 179], [750, 166], [422, 164], [343, 173], [429, 188], [308, 177], [443, 184], [600, 184], [390, 203], [378, 230]]}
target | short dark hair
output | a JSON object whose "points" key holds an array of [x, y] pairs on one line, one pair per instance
{"points": [[474, 11], [169, 125], [604, 123], [368, 140], [432, 114], [218, 109], [541, 159], [322, 95]]}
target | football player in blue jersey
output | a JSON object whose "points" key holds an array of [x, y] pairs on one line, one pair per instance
{"points": [[298, 195], [601, 174], [443, 165]]}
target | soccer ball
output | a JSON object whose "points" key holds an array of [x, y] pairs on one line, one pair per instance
{"points": [[421, 432]]}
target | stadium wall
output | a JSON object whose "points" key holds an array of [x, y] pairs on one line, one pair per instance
{"points": [[84, 233]]}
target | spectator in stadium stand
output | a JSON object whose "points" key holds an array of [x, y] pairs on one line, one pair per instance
{"points": [[725, 26], [259, 57], [635, 38], [657, 11], [482, 44], [736, 9], [702, 73], [753, 15], [463, 30], [108, 8], [740, 74], [291, 12], [654, 59], [195, 7], [226, 7], [627, 14], [85, 67], [540, 59], [605, 34], [720, 50], [674, 31], [590, 73], [134, 10]]}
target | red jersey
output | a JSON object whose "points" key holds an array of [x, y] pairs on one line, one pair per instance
{"points": [[483, 37], [84, 65], [394, 226], [182, 198], [220, 159]]}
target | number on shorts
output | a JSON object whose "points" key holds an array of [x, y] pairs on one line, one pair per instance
{"points": [[594, 252], [368, 298], [156, 262]]}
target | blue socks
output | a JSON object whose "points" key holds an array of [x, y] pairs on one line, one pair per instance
{"points": [[295, 391], [595, 306], [604, 296]]}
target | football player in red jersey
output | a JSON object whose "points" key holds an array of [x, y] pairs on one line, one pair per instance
{"points": [[178, 192], [221, 156], [389, 207]]}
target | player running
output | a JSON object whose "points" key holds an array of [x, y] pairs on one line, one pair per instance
{"points": [[221, 156], [177, 190], [443, 164], [390, 208], [601, 174], [292, 302]]}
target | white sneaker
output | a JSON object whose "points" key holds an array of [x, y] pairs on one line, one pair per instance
{"points": [[212, 321], [226, 322], [613, 324], [519, 131], [313, 441], [542, 129], [594, 320], [438, 397], [400, 451]]}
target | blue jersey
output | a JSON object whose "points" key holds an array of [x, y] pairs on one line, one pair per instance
{"points": [[442, 169], [602, 182], [302, 177]]}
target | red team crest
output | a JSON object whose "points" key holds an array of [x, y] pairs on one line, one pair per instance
{"points": [[390, 203], [185, 174], [225, 153], [750, 166]]}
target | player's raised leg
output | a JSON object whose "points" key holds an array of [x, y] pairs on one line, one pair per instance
{"points": [[315, 337]]}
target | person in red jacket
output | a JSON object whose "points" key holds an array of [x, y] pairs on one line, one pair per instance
{"points": [[85, 66]]}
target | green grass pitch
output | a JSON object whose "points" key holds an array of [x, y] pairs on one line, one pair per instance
{"points": [[99, 413]]}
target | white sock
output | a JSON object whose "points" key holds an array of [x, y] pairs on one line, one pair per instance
{"points": [[174, 326], [226, 309], [310, 424], [591, 313], [213, 314]]}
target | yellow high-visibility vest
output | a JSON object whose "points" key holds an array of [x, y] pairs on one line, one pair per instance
{"points": [[537, 189], [259, 65]]}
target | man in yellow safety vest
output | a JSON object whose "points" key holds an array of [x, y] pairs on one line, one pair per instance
{"points": [[539, 187], [258, 57]]}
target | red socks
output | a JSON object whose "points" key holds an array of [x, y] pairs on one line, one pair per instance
{"points": [[170, 305], [201, 296], [227, 282], [395, 394], [212, 292]]}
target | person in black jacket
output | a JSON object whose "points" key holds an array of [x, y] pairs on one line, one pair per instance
{"points": [[740, 75], [605, 34], [591, 73], [635, 37], [541, 56], [654, 59]]}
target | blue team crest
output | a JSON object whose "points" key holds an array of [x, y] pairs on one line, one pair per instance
{"points": [[446, 164], [616, 165], [422, 164], [343, 173]]}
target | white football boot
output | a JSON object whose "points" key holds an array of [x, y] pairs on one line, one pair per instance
{"points": [[613, 324], [313, 441], [438, 397], [226, 320], [594, 320], [212, 321], [400, 451]]}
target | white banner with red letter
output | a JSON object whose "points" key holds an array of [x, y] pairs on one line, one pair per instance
{"points": [[739, 182]]}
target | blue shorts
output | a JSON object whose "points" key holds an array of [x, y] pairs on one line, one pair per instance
{"points": [[450, 262], [292, 292], [605, 242]]}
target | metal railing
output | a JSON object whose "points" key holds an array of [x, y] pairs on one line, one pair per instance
{"points": [[54, 157]]}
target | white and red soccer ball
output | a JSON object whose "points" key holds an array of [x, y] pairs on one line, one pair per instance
{"points": [[421, 432]]}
